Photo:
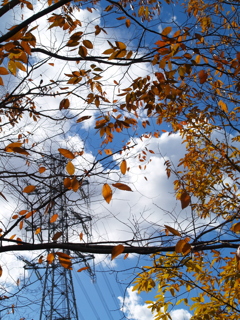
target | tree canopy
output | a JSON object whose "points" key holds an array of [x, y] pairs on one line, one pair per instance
{"points": [[127, 71]]}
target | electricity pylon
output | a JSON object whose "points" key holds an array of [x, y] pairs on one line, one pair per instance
{"points": [[58, 297]]}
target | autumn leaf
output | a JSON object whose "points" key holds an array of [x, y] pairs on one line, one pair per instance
{"points": [[41, 169], [202, 76], [70, 168], [107, 192], [83, 119], [66, 153], [117, 250], [1, 271], [121, 186], [54, 218], [63, 255], [38, 230], [236, 227], [29, 189], [57, 235], [123, 167], [185, 200], [166, 31], [83, 268], [173, 231], [88, 44], [64, 104], [50, 257]]}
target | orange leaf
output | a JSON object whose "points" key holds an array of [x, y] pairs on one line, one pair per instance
{"points": [[29, 214], [1, 271], [50, 257], [63, 255], [81, 236], [122, 186], [107, 192], [38, 230], [21, 225], [66, 153], [125, 256], [117, 250], [57, 235], [173, 231], [185, 200], [236, 227], [84, 268], [29, 189], [3, 71], [41, 169], [166, 31], [54, 218], [70, 168], [123, 167]]}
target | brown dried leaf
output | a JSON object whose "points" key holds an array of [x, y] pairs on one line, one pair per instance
{"points": [[66, 153], [185, 200], [117, 250]]}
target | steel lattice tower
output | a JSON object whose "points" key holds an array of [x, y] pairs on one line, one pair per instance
{"points": [[58, 297]]}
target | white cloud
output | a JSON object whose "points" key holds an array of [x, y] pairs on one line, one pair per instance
{"points": [[180, 314], [133, 307]]}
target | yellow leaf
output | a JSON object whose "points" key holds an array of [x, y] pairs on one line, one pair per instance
{"points": [[11, 146], [66, 153], [88, 44], [120, 45], [166, 31], [123, 167], [54, 218], [50, 257], [12, 67], [122, 186], [84, 268], [185, 200], [57, 235], [108, 151], [223, 106], [107, 192], [20, 66], [29, 189], [70, 168], [38, 230], [117, 250], [173, 231]]}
